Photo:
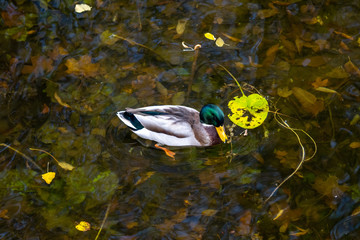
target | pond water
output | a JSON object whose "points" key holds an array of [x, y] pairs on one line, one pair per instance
{"points": [[65, 74]]}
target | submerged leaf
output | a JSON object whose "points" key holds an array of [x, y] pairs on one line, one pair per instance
{"points": [[58, 99], [355, 145], [284, 92], [209, 212], [180, 27], [308, 101], [248, 112]]}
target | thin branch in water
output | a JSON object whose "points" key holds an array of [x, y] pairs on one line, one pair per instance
{"points": [[23, 155], [103, 221], [303, 159]]}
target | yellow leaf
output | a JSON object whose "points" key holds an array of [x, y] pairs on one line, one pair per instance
{"points": [[355, 145], [83, 226], [219, 42], [210, 36], [248, 111], [308, 101], [279, 214], [209, 212], [66, 166], [58, 99], [48, 177], [326, 90]]}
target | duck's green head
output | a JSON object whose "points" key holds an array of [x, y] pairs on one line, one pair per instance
{"points": [[213, 115]]}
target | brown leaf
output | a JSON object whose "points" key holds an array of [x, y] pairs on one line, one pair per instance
{"points": [[11, 16], [82, 67], [245, 224], [46, 109], [58, 52], [284, 92], [209, 212], [315, 61], [308, 101], [270, 55], [40, 65], [207, 177], [320, 83], [329, 186]]}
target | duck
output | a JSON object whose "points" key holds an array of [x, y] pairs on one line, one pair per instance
{"points": [[176, 125]]}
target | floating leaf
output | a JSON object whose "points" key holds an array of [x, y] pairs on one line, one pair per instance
{"points": [[248, 112], [219, 42], [210, 36], [79, 8], [48, 177], [83, 226], [209, 212], [66, 166]]}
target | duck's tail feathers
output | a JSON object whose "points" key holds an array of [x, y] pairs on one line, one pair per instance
{"points": [[130, 120]]}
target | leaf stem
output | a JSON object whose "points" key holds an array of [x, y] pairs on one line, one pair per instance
{"points": [[233, 78]]}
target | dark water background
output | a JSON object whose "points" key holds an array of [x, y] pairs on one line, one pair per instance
{"points": [[63, 77]]}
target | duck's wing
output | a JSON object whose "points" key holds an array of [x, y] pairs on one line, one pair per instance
{"points": [[177, 121]]}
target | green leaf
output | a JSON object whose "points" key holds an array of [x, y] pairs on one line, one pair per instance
{"points": [[248, 111]]}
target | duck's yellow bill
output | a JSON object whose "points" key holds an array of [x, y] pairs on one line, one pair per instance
{"points": [[221, 132]]}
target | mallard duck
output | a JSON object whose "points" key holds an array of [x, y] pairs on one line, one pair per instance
{"points": [[174, 125]]}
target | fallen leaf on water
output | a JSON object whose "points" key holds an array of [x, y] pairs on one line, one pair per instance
{"points": [[66, 166], [219, 42], [80, 8], [48, 177], [308, 101], [83, 226], [355, 145], [209, 212], [210, 36], [58, 99], [320, 83]]}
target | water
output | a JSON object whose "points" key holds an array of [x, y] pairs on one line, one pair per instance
{"points": [[64, 76]]}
